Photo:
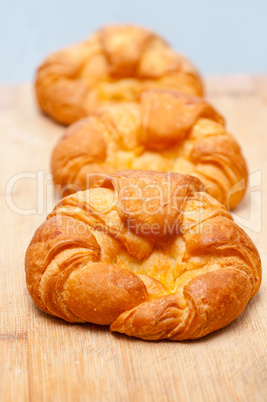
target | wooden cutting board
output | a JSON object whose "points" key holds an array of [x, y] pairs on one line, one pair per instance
{"points": [[46, 359]]}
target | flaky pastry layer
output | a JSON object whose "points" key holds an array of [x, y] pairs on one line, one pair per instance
{"points": [[148, 253], [166, 131], [115, 64]]}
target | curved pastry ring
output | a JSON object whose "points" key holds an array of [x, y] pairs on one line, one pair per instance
{"points": [[115, 64], [166, 131], [148, 253]]}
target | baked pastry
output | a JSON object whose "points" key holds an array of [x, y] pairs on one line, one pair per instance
{"points": [[148, 253], [115, 64], [166, 131]]}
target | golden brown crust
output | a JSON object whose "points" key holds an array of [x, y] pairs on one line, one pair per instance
{"points": [[172, 265], [167, 131], [116, 63]]}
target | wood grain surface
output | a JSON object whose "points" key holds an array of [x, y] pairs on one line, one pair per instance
{"points": [[46, 359]]}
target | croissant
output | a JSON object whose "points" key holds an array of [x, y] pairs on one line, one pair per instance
{"points": [[166, 131], [148, 253], [114, 64]]}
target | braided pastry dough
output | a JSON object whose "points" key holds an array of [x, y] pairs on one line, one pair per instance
{"points": [[148, 253], [166, 131], [115, 64]]}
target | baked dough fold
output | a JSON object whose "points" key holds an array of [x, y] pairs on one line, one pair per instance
{"points": [[150, 254], [115, 64], [166, 131]]}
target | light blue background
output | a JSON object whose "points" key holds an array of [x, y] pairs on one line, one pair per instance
{"points": [[219, 36]]}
